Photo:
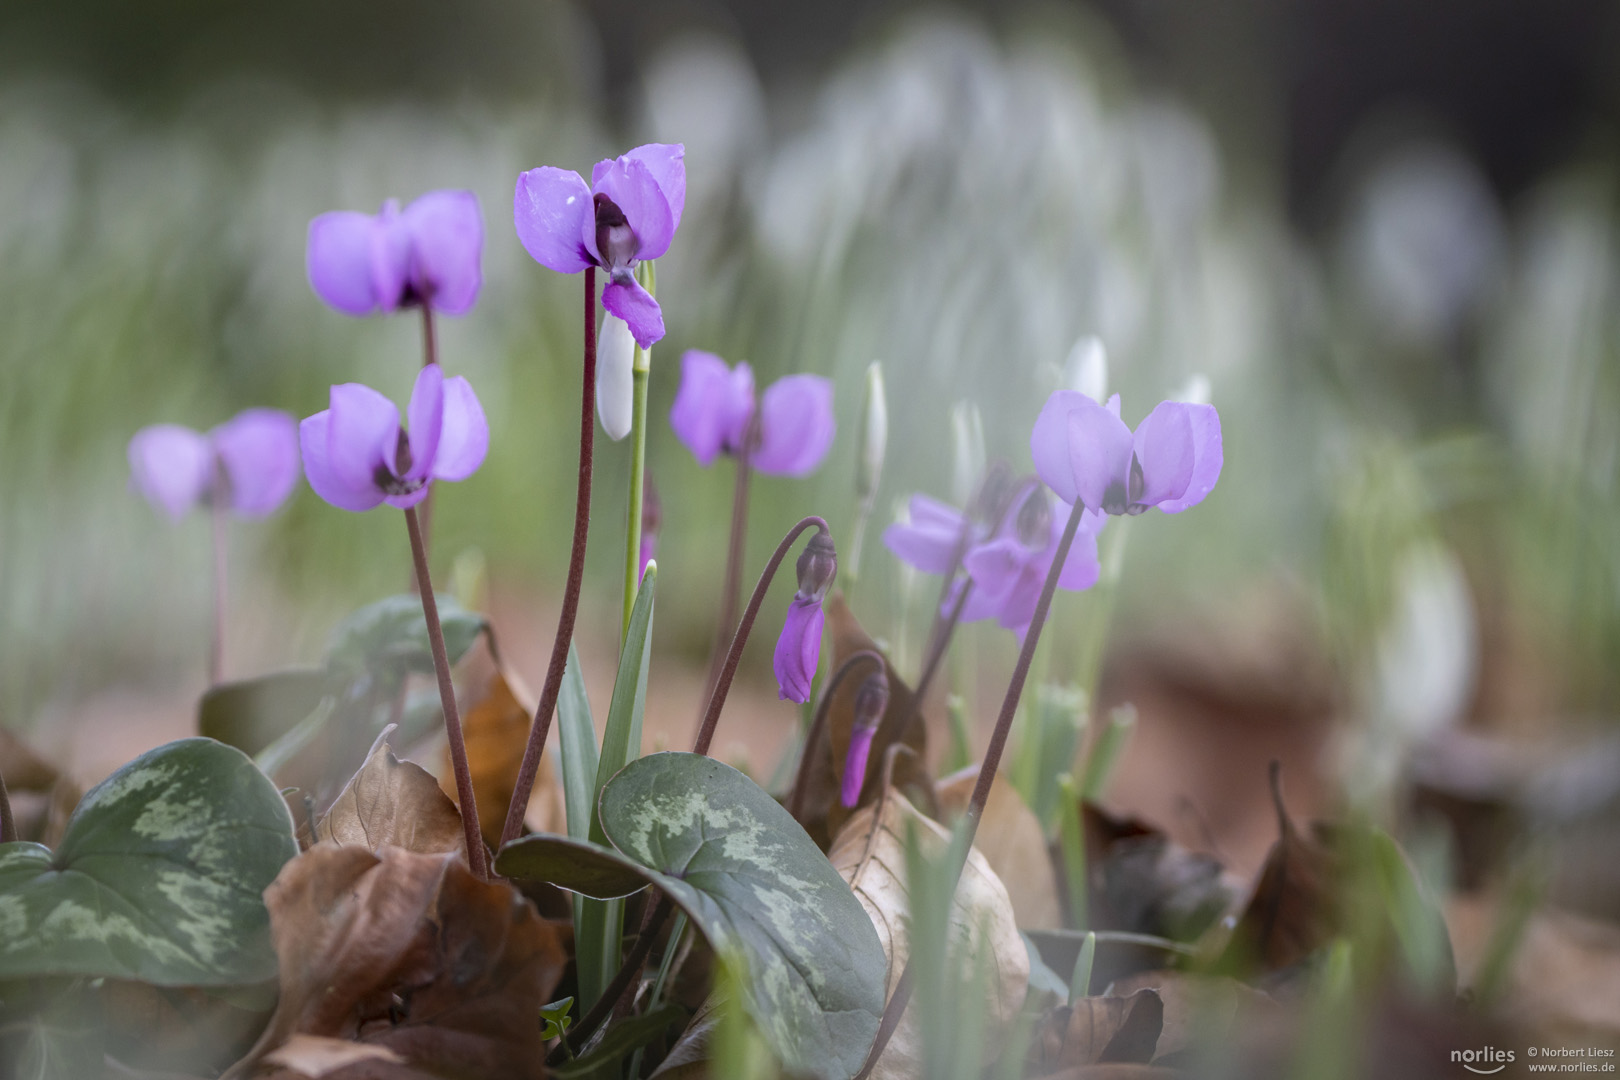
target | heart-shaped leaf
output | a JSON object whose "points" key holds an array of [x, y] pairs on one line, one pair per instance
{"points": [[753, 882], [253, 713], [158, 876], [391, 636]]}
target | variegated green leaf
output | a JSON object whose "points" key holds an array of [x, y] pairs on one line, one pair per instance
{"points": [[391, 636], [755, 884], [158, 876]]}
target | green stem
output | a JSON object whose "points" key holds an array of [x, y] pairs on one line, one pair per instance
{"points": [[640, 374]]}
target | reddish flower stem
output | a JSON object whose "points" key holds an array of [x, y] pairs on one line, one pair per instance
{"points": [[731, 586], [717, 696], [8, 825], [987, 771], [447, 698], [801, 778], [541, 727], [430, 355]]}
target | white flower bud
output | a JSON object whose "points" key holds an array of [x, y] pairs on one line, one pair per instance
{"points": [[874, 434], [967, 451], [1086, 369], [1195, 391], [615, 390]]}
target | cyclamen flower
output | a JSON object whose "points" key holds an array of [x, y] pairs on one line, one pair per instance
{"points": [[714, 410], [1009, 570], [357, 457], [871, 701], [798, 650], [428, 253], [251, 461], [1085, 452], [628, 213], [928, 539]]}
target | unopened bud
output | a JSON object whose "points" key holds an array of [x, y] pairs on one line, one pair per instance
{"points": [[1086, 369], [1195, 391], [872, 701], [967, 451], [817, 566], [615, 387], [874, 434]]}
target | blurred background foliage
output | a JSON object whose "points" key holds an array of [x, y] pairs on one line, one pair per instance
{"points": [[1384, 232]]}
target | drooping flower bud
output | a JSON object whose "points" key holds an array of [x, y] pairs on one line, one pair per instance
{"points": [[967, 451], [874, 435], [871, 702], [817, 566]]}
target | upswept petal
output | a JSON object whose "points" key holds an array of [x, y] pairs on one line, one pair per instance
{"points": [[1163, 446], [997, 567], [796, 425], [1097, 445], [1081, 569], [390, 256], [625, 298], [338, 260], [446, 233], [928, 512], [615, 382], [1208, 455], [362, 436], [259, 451], [667, 163], [633, 189], [555, 219], [699, 415], [464, 437], [172, 466], [314, 441], [928, 541], [424, 421]]}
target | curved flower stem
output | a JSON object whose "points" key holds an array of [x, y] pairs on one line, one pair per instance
{"points": [[541, 727], [801, 778], [987, 770], [8, 825], [447, 698], [221, 537], [640, 373], [722, 686], [732, 585]]}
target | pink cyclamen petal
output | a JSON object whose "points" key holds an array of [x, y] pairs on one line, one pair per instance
{"points": [[258, 449], [929, 540], [464, 437], [798, 650], [446, 234], [172, 466], [625, 298], [860, 748], [363, 435], [713, 405], [314, 442], [667, 163], [338, 260], [1163, 449], [425, 416], [1208, 456], [555, 219], [796, 425], [631, 186]]}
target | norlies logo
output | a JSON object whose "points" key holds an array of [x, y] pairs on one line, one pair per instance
{"points": [[1488, 1056]]}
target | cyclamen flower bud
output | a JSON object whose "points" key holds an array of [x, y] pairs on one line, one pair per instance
{"points": [[817, 566], [967, 451], [1086, 369], [871, 702], [874, 435], [615, 385]]}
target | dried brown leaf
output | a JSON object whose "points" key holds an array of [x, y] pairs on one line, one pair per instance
{"points": [[1012, 842], [1210, 1007], [410, 953], [23, 768], [315, 1056], [393, 802], [1139, 880], [1099, 1029], [871, 855], [496, 731]]}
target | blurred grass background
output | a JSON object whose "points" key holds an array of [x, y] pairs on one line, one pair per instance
{"points": [[1398, 269]]}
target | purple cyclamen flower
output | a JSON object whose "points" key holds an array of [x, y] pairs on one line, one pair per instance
{"points": [[250, 460], [652, 519], [357, 457], [871, 702], [798, 650], [428, 253], [928, 539], [714, 410], [629, 212], [1085, 452], [1009, 570]]}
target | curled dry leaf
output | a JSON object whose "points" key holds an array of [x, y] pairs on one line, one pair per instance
{"points": [[870, 853], [410, 953], [315, 1056], [1140, 881], [1012, 842], [824, 814], [496, 730], [1098, 1030], [393, 802]]}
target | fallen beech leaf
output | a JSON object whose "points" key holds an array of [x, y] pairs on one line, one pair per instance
{"points": [[824, 813], [393, 802], [1140, 881], [1012, 842], [316, 1055], [1100, 1029], [1209, 1007], [871, 855], [496, 730], [24, 769], [411, 953]]}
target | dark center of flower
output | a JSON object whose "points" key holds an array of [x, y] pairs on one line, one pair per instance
{"points": [[392, 481], [1137, 486], [615, 240]]}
